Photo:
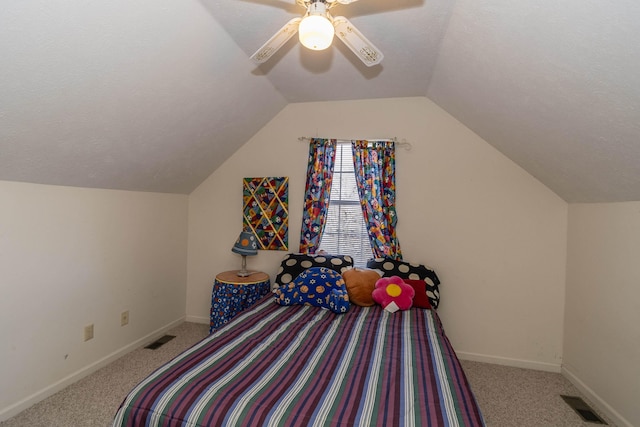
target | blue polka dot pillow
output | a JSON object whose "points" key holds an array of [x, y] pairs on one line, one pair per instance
{"points": [[388, 267], [317, 286], [294, 264]]}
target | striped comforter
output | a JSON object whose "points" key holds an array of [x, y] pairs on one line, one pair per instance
{"points": [[299, 365]]}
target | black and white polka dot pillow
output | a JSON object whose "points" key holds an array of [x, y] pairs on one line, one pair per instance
{"points": [[294, 264], [388, 267]]}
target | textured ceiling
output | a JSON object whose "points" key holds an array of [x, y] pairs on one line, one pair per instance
{"points": [[555, 86], [154, 95], [148, 95]]}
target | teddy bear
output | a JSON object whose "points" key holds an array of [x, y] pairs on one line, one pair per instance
{"points": [[393, 294]]}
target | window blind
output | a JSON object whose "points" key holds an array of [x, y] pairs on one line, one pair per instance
{"points": [[345, 231]]}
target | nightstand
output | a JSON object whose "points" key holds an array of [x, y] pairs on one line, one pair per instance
{"points": [[231, 294]]}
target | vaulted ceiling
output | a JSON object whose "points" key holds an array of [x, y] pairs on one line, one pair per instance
{"points": [[153, 95]]}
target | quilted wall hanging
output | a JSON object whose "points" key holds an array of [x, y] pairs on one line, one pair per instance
{"points": [[265, 211]]}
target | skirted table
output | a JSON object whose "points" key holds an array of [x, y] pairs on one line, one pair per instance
{"points": [[231, 294]]}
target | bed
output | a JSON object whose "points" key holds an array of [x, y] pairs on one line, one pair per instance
{"points": [[275, 365]]}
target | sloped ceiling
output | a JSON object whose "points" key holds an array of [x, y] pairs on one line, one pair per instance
{"points": [[149, 95], [153, 95]]}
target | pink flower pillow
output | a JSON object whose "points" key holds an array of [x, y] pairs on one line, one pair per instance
{"points": [[393, 294]]}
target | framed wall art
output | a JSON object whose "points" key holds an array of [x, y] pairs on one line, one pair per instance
{"points": [[265, 211]]}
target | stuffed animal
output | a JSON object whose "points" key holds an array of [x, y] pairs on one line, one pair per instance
{"points": [[360, 285], [317, 286], [393, 294]]}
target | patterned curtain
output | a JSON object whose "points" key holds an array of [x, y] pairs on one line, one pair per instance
{"points": [[322, 155], [375, 171]]}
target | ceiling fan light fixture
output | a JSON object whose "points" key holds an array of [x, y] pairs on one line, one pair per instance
{"points": [[316, 30]]}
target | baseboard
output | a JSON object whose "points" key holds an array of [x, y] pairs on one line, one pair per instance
{"points": [[505, 361], [29, 401], [611, 413], [198, 319]]}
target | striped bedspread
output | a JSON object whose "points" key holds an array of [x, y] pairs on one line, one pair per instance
{"points": [[301, 365]]}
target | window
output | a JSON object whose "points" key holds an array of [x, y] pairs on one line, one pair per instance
{"points": [[345, 231]]}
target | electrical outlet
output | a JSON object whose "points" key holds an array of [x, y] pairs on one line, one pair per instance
{"points": [[88, 332], [124, 318]]}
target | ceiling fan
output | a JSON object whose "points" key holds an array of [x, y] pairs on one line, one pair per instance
{"points": [[316, 30]]}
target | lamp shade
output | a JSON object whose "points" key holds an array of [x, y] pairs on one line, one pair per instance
{"points": [[246, 244], [316, 29]]}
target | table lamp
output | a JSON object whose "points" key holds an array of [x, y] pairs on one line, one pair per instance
{"points": [[246, 245]]}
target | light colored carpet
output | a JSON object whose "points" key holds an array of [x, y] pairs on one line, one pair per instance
{"points": [[94, 400], [508, 397], [523, 397]]}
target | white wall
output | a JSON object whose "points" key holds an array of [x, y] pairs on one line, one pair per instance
{"points": [[74, 256], [602, 315], [494, 234]]}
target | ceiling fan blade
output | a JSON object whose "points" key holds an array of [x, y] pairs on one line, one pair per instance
{"points": [[280, 4], [330, 3], [276, 41], [363, 48]]}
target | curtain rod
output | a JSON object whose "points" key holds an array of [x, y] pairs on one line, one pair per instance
{"points": [[402, 143]]}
